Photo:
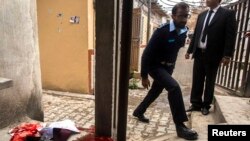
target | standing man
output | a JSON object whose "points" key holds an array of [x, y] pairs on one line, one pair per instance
{"points": [[213, 43], [158, 60]]}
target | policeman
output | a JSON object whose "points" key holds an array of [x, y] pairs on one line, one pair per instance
{"points": [[158, 60]]}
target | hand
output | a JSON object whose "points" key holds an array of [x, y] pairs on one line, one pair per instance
{"points": [[187, 56], [247, 34], [145, 83], [225, 61]]}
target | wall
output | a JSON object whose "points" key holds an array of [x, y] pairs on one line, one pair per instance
{"points": [[64, 46], [19, 61], [91, 45]]}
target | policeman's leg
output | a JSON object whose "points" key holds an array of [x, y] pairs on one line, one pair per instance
{"points": [[176, 101], [174, 94], [153, 93]]}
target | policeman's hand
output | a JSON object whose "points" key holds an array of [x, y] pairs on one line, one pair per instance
{"points": [[145, 83], [225, 61], [187, 55]]}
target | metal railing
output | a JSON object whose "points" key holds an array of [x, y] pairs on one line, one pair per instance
{"points": [[234, 76]]}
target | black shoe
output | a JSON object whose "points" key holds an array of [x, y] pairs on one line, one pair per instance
{"points": [[193, 108], [141, 117], [186, 133], [205, 111]]}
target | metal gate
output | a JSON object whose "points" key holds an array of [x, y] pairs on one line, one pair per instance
{"points": [[234, 76]]}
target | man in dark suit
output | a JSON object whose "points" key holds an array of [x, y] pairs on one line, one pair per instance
{"points": [[212, 43], [158, 60]]}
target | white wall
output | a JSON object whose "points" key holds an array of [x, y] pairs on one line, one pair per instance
{"points": [[19, 61]]}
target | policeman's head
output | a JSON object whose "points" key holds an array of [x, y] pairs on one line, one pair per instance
{"points": [[180, 14]]}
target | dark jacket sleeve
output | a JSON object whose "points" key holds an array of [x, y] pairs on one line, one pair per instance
{"points": [[149, 53], [191, 45], [230, 35]]}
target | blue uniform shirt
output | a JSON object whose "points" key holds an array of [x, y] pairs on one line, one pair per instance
{"points": [[163, 46]]}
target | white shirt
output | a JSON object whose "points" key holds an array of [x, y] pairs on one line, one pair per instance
{"points": [[172, 28], [204, 44]]}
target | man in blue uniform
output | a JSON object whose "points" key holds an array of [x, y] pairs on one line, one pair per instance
{"points": [[158, 60]]}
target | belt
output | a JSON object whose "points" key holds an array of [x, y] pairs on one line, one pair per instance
{"points": [[167, 63]]}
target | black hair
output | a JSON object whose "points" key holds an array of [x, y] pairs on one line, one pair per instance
{"points": [[181, 5]]}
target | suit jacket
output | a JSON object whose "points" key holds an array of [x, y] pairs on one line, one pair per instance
{"points": [[221, 35]]}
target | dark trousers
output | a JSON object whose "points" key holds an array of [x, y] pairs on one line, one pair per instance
{"points": [[163, 79], [204, 74]]}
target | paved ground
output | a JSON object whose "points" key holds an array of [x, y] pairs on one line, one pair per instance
{"points": [[80, 108]]}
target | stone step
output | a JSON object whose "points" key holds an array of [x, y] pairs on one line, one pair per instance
{"points": [[226, 110], [232, 110], [200, 123], [4, 134], [5, 83]]}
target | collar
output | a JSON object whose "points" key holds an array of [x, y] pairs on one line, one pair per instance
{"points": [[172, 28], [215, 9]]}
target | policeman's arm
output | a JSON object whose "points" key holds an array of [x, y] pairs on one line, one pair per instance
{"points": [[145, 83], [149, 53]]}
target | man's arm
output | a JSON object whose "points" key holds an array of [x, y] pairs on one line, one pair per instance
{"points": [[230, 37], [247, 34], [148, 56], [149, 53], [191, 45]]}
